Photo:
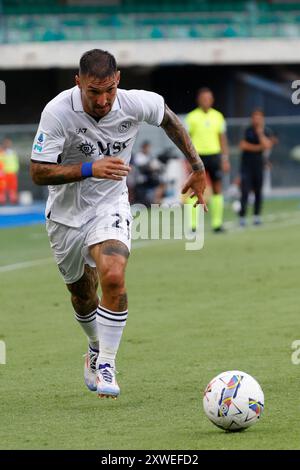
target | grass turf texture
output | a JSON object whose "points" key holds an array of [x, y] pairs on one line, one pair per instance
{"points": [[233, 305]]}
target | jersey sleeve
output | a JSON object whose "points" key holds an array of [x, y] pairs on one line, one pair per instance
{"points": [[222, 124], [151, 107], [49, 140]]}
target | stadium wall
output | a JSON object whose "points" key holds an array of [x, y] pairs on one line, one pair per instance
{"points": [[215, 52], [237, 89]]}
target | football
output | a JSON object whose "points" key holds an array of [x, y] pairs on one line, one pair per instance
{"points": [[233, 401]]}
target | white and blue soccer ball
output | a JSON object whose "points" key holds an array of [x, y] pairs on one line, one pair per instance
{"points": [[233, 400]]}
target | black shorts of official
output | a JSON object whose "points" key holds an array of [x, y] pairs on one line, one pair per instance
{"points": [[213, 166]]}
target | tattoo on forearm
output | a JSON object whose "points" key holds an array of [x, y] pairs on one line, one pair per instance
{"points": [[115, 247], [178, 134], [47, 174]]}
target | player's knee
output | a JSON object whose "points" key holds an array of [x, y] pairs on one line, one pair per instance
{"points": [[113, 278]]}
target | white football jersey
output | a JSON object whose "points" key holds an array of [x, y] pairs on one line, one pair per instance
{"points": [[67, 135]]}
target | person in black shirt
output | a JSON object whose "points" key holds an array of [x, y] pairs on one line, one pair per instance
{"points": [[258, 140]]}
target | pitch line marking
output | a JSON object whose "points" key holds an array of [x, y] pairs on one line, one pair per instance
{"points": [[28, 264], [24, 264], [232, 227]]}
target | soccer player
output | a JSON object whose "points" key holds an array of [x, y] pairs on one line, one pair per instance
{"points": [[81, 151], [258, 141], [207, 129]]}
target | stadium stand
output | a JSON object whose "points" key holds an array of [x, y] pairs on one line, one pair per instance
{"points": [[44, 20]]}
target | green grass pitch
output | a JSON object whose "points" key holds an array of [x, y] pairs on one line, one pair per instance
{"points": [[232, 305]]}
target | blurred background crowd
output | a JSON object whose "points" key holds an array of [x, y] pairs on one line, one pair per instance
{"points": [[244, 51]]}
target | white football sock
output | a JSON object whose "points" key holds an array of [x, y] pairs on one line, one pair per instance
{"points": [[89, 325], [110, 328]]}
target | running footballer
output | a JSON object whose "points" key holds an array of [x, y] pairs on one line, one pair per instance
{"points": [[82, 151]]}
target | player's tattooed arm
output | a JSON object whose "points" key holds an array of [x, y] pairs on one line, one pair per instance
{"points": [[44, 174], [196, 182], [175, 130], [51, 174]]}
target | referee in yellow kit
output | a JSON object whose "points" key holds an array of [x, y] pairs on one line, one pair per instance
{"points": [[207, 128]]}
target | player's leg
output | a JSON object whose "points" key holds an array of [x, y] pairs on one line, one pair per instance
{"points": [[12, 187], [245, 190], [193, 222], [217, 199], [81, 280], [110, 258], [85, 300], [193, 213], [258, 194]]}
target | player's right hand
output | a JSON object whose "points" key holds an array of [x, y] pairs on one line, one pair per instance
{"points": [[111, 168]]}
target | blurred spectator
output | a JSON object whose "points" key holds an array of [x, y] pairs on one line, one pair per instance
{"points": [[2, 177], [256, 147], [11, 169], [149, 180]]}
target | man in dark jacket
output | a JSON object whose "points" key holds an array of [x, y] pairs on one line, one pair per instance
{"points": [[257, 141]]}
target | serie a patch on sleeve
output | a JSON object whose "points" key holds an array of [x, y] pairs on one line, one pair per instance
{"points": [[39, 144]]}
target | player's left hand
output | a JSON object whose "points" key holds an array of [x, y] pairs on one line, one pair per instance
{"points": [[197, 183]]}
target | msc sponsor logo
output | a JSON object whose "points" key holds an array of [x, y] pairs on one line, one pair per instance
{"points": [[112, 148]]}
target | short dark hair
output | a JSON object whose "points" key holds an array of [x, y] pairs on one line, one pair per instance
{"points": [[97, 63], [257, 110], [204, 89]]}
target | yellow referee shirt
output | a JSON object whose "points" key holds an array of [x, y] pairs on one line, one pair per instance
{"points": [[205, 129]]}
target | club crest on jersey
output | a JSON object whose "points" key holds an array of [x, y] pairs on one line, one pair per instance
{"points": [[124, 127], [87, 148]]}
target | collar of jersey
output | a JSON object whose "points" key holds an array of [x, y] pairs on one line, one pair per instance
{"points": [[77, 103], [205, 113]]}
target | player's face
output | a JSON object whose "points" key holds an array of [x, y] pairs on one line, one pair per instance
{"points": [[258, 119], [205, 100], [98, 95]]}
